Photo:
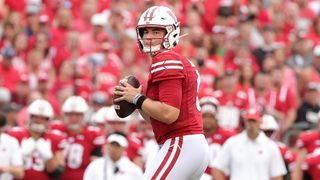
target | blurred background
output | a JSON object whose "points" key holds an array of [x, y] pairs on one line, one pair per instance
{"points": [[262, 54]]}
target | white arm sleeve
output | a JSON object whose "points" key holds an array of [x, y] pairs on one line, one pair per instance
{"points": [[277, 166], [222, 162], [90, 172], [16, 158]]}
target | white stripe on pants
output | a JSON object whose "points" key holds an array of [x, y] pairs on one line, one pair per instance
{"points": [[180, 158]]}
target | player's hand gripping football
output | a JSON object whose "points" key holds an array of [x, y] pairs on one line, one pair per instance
{"points": [[126, 91]]}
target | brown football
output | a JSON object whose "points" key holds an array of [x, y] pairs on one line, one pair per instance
{"points": [[124, 108]]}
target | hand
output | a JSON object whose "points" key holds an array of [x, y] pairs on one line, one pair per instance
{"points": [[4, 169], [126, 91], [44, 148], [28, 146]]}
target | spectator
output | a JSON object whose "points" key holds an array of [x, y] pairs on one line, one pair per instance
{"points": [[115, 165], [301, 53], [232, 100], [259, 95], [246, 77], [11, 164], [63, 26], [288, 77], [11, 110], [22, 91], [308, 112], [311, 74], [283, 101], [8, 73], [260, 157], [89, 42], [268, 35]]}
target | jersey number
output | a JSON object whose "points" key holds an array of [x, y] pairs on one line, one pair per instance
{"points": [[74, 155], [34, 162]]}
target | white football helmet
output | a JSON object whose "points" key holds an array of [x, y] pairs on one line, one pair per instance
{"points": [[75, 104], [269, 123], [159, 17], [209, 104], [99, 117], [40, 107]]}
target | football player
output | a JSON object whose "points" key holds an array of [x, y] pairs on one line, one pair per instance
{"points": [[171, 101], [83, 142], [42, 149]]}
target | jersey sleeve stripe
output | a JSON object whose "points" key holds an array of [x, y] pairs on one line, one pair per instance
{"points": [[165, 67], [166, 62]]}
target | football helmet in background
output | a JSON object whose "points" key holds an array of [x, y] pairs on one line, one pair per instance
{"points": [[41, 107], [75, 104]]}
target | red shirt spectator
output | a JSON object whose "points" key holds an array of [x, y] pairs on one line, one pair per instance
{"points": [[9, 76]]}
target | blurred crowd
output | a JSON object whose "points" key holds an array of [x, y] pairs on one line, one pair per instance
{"points": [[251, 54]]}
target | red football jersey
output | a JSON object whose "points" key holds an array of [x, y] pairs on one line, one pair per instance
{"points": [[79, 149], [311, 163], [135, 147], [35, 166], [309, 140], [169, 65], [288, 156]]}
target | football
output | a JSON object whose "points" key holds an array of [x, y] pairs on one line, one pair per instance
{"points": [[124, 108]]}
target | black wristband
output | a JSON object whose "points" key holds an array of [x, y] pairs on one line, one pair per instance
{"points": [[140, 101]]}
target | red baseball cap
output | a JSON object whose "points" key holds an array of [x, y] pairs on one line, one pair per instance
{"points": [[252, 114]]}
